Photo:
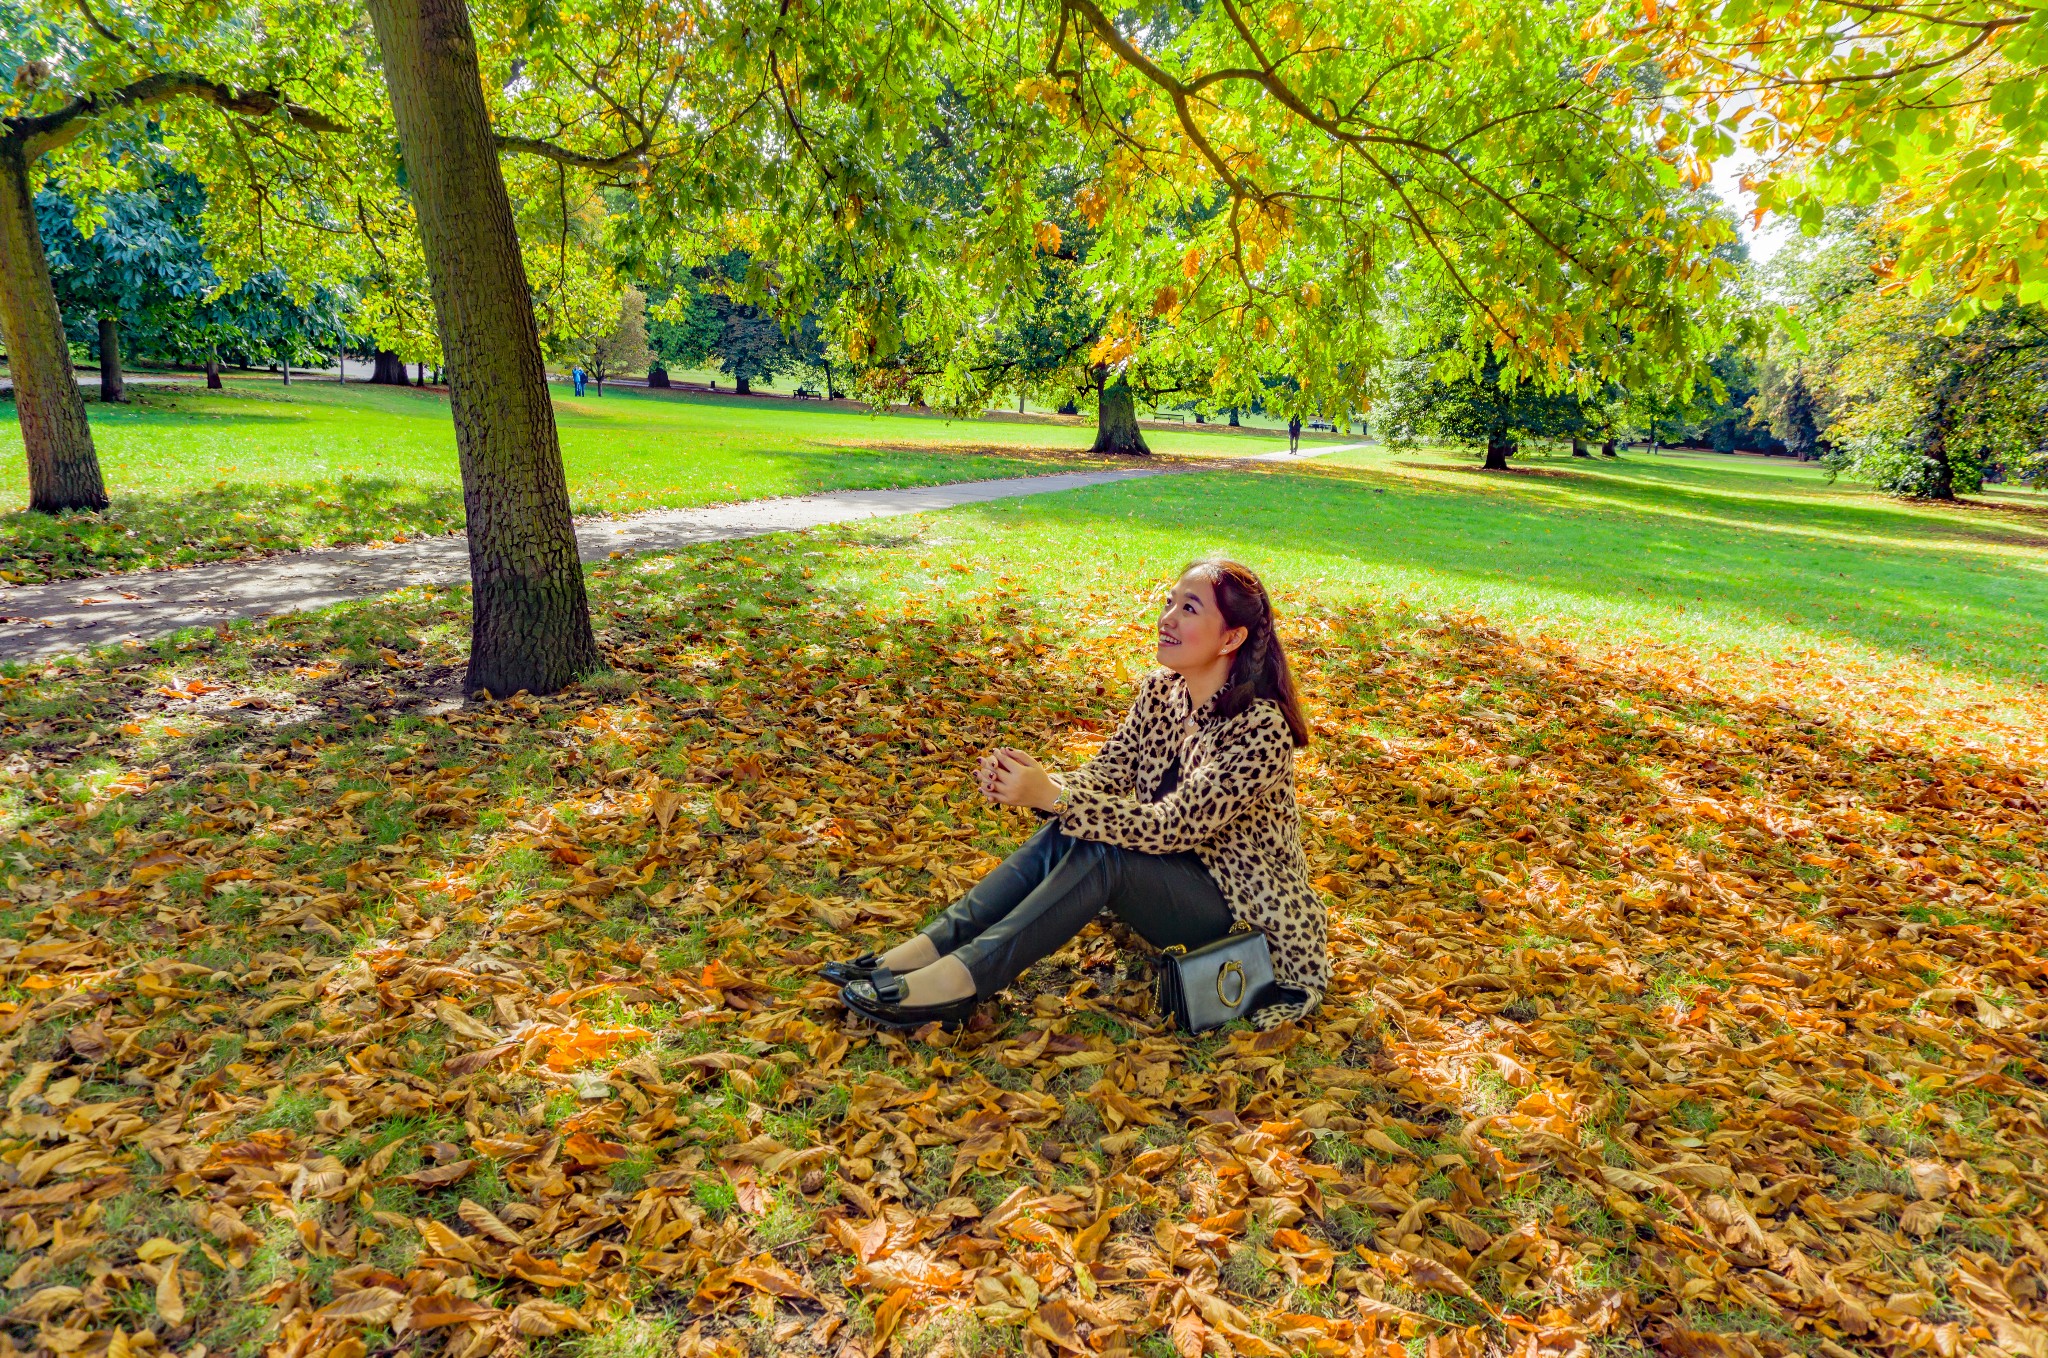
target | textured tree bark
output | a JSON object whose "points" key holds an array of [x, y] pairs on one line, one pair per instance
{"points": [[389, 370], [1579, 448], [1498, 450], [112, 387], [63, 470], [530, 616], [213, 374], [1116, 422]]}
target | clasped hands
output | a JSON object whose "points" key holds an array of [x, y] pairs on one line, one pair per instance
{"points": [[1013, 778]]}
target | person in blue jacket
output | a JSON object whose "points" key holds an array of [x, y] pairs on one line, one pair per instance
{"points": [[579, 377]]}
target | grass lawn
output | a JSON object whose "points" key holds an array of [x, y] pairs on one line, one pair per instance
{"points": [[260, 467], [1686, 914]]}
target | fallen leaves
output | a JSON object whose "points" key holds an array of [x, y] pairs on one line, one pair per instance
{"points": [[1661, 1018]]}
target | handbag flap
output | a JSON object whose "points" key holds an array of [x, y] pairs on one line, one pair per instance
{"points": [[1216, 982]]}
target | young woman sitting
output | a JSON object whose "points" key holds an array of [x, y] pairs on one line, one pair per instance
{"points": [[1184, 826]]}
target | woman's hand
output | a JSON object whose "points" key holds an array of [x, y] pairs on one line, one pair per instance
{"points": [[1014, 778]]}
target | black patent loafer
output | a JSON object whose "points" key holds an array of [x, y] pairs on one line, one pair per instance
{"points": [[879, 1000], [859, 969]]}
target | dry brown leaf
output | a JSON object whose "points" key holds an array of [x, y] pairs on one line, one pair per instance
{"points": [[440, 1311], [887, 1317], [543, 1319], [365, 1306], [485, 1222]]}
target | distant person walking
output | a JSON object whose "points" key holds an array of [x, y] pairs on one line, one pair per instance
{"points": [[1294, 434], [578, 376]]}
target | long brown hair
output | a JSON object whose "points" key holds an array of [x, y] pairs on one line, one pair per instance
{"points": [[1259, 667]]}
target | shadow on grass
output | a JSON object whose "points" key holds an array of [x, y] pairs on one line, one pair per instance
{"points": [[1766, 497], [222, 522]]}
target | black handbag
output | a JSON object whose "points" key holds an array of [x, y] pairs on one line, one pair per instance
{"points": [[1217, 982]]}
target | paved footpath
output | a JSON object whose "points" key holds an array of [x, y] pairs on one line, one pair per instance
{"points": [[71, 616]]}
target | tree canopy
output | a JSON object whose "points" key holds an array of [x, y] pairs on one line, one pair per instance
{"points": [[1939, 110]]}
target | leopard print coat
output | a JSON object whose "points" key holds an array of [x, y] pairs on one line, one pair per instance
{"points": [[1234, 809]]}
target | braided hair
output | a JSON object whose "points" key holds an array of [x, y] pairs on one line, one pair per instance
{"points": [[1259, 668]]}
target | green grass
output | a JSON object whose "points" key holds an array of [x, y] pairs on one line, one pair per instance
{"points": [[259, 467], [1713, 561]]}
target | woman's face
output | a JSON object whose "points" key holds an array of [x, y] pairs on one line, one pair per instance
{"points": [[1192, 632]]}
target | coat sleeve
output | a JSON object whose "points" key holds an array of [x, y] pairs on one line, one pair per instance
{"points": [[1114, 767], [1248, 763]]}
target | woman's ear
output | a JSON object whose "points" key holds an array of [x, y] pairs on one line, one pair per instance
{"points": [[1234, 638]]}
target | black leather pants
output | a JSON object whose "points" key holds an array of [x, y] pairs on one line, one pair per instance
{"points": [[1042, 895]]}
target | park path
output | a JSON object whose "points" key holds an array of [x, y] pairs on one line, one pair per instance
{"points": [[71, 616], [39, 622]]}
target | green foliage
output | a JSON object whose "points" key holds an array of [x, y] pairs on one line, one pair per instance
{"points": [[1937, 111], [1910, 393], [1280, 190], [139, 255], [1450, 396], [620, 345]]}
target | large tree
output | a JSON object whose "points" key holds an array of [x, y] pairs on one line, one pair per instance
{"points": [[1281, 185], [131, 275], [1450, 395], [530, 617], [76, 85]]}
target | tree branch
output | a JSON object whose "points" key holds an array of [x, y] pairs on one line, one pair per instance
{"points": [[50, 131], [562, 155]]}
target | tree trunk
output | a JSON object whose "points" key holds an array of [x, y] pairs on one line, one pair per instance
{"points": [[1579, 448], [657, 376], [112, 387], [743, 386], [213, 373], [1498, 450], [1233, 418], [1607, 449], [1940, 479], [420, 379], [389, 370], [287, 370], [1116, 422], [63, 471], [530, 614]]}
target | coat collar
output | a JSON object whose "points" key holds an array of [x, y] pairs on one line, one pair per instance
{"points": [[1183, 702]]}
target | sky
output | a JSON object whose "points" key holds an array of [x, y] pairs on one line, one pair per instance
{"points": [[1762, 242]]}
